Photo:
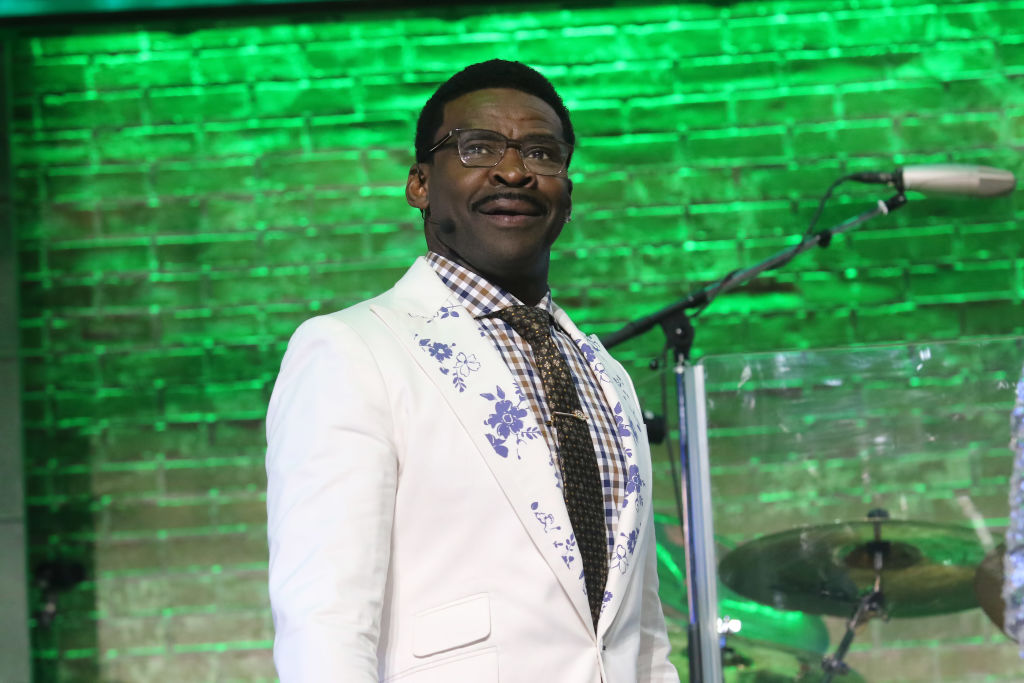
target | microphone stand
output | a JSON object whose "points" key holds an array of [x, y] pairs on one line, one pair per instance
{"points": [[705, 295], [698, 526]]}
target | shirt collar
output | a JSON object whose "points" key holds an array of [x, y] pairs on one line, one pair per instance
{"points": [[480, 297]]}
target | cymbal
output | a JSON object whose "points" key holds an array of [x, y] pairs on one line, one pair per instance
{"points": [[750, 661], [928, 568], [760, 623], [988, 585]]}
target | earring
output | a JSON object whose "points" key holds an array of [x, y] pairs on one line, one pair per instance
{"points": [[568, 216]]}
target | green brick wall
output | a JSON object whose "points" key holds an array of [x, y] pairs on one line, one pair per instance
{"points": [[188, 191]]}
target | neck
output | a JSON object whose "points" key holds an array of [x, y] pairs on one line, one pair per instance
{"points": [[529, 286]]}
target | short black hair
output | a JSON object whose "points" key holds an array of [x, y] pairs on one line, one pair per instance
{"points": [[495, 73]]}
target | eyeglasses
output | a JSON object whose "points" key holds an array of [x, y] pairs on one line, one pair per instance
{"points": [[541, 154]]}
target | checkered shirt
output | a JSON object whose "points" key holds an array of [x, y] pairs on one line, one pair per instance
{"points": [[482, 298]]}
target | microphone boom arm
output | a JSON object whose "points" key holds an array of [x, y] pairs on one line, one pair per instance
{"points": [[705, 295]]}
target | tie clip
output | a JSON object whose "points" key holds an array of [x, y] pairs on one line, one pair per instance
{"points": [[578, 414]]}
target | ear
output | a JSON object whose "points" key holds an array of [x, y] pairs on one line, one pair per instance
{"points": [[416, 186], [568, 213]]}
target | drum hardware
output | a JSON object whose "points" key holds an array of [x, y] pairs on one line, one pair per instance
{"points": [[988, 586], [859, 570], [871, 605]]}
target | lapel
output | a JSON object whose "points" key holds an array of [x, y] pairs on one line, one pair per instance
{"points": [[482, 394], [631, 529]]}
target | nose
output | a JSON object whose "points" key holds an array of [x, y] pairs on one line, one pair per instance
{"points": [[511, 170]]}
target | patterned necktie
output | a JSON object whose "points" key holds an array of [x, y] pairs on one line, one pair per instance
{"points": [[581, 479]]}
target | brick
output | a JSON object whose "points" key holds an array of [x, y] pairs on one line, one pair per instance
{"points": [[136, 291], [113, 110], [141, 70], [305, 98], [652, 114], [145, 517], [212, 398], [127, 633], [1011, 55], [195, 104], [241, 474], [986, 93], [36, 296], [786, 109], [821, 68], [55, 75], [673, 39], [251, 63], [251, 140], [44, 148], [994, 279], [184, 215], [148, 667], [762, 144], [909, 245], [322, 170], [102, 257], [83, 43], [360, 132], [438, 52], [144, 144], [75, 184], [185, 179], [190, 629], [927, 322], [223, 250], [295, 247], [222, 549], [894, 98], [930, 135], [65, 221], [248, 666]]}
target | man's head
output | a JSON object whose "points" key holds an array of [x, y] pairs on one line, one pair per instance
{"points": [[498, 220], [496, 73]]}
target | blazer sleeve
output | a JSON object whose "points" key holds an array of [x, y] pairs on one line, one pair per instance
{"points": [[331, 483], [654, 646]]}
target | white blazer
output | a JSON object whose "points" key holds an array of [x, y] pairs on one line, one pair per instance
{"points": [[416, 530]]}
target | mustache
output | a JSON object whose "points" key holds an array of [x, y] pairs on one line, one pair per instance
{"points": [[513, 196]]}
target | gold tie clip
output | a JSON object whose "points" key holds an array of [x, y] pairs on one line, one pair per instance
{"points": [[578, 414]]}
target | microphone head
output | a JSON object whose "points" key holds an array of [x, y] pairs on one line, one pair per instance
{"points": [[959, 179]]}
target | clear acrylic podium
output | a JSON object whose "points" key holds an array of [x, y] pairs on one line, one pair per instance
{"points": [[813, 438]]}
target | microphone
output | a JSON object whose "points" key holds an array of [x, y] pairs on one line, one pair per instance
{"points": [[946, 179]]}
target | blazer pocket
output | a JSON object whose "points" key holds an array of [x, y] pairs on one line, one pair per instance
{"points": [[453, 625], [480, 666]]}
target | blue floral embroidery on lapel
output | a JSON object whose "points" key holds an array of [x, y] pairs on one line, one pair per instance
{"points": [[566, 547], [606, 599], [450, 309], [568, 550], [546, 519], [633, 485], [588, 352], [506, 422], [457, 365], [624, 550], [445, 312], [624, 430]]}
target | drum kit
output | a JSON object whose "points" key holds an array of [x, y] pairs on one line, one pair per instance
{"points": [[778, 586]]}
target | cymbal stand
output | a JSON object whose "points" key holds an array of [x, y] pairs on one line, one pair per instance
{"points": [[872, 603]]}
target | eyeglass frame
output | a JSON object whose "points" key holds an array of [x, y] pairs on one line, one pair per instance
{"points": [[509, 142]]}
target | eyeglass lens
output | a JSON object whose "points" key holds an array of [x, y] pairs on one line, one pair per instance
{"points": [[540, 154]]}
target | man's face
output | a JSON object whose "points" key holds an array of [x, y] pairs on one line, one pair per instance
{"points": [[500, 221]]}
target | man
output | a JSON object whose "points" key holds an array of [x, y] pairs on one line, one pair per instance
{"points": [[418, 450]]}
